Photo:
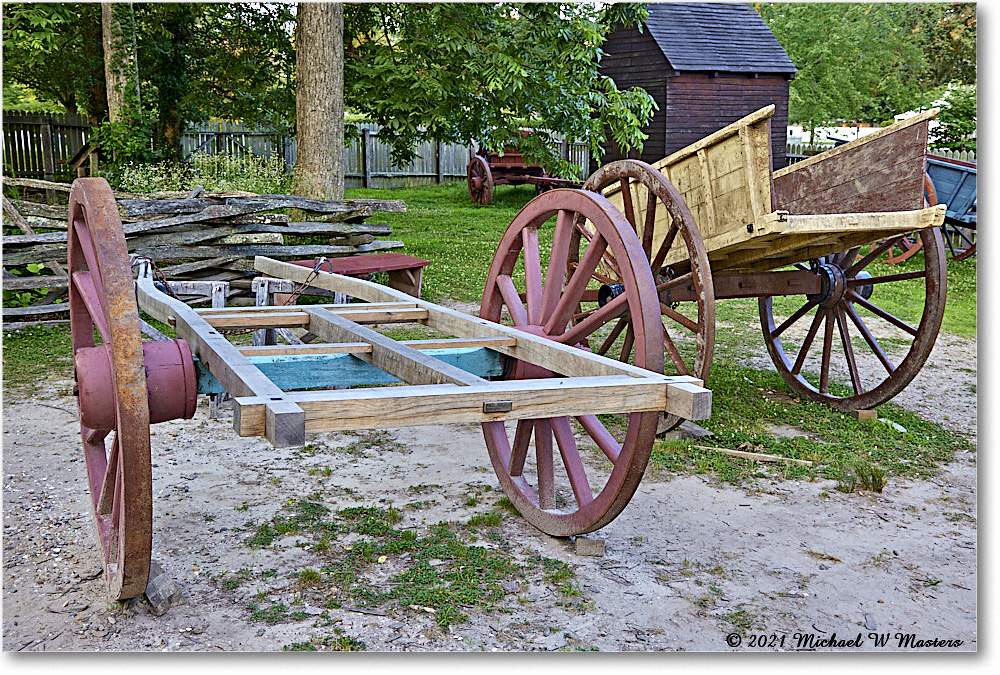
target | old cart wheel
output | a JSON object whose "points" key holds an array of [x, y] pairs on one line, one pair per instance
{"points": [[576, 499], [911, 243], [101, 295], [961, 239], [480, 181], [810, 366], [688, 327], [122, 385]]}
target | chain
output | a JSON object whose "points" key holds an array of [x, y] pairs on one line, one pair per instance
{"points": [[159, 278], [293, 298]]}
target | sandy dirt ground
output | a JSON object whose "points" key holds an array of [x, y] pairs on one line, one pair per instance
{"points": [[691, 565]]}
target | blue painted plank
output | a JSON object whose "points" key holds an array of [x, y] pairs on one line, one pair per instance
{"points": [[309, 371]]}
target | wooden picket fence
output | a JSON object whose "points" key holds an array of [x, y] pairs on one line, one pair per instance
{"points": [[40, 146]]}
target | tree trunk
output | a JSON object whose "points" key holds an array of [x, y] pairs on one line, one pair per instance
{"points": [[119, 61], [319, 100]]}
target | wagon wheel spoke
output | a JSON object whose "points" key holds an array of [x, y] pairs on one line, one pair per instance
{"points": [[888, 278], [594, 320], [679, 318], [668, 242], [532, 273], [629, 210], [878, 311], [845, 339], [674, 353], [810, 336], [859, 265], [558, 261], [519, 449], [869, 338], [627, 345], [615, 332], [545, 464], [601, 436], [109, 486], [576, 286], [799, 313], [571, 461], [647, 229], [824, 378], [847, 257], [518, 314]]}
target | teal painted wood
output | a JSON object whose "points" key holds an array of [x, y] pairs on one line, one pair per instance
{"points": [[309, 371]]}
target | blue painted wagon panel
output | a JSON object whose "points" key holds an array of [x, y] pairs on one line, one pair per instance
{"points": [[956, 187], [310, 371]]}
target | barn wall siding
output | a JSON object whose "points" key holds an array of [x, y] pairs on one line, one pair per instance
{"points": [[691, 105]]}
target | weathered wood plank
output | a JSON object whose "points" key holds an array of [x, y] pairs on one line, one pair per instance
{"points": [[449, 404], [272, 202], [165, 253], [364, 347]]}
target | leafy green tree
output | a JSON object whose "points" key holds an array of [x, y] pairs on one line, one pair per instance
{"points": [[857, 61], [957, 120], [460, 72], [54, 50]]}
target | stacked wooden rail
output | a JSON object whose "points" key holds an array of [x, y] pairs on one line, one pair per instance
{"points": [[197, 236]]}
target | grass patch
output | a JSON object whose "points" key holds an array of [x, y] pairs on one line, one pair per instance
{"points": [[441, 572], [747, 402], [441, 224], [33, 355]]}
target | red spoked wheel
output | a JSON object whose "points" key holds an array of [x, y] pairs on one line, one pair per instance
{"points": [[584, 495], [657, 213], [892, 343], [114, 400], [480, 181]]}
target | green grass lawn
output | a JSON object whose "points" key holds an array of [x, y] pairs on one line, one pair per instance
{"points": [[459, 239]]}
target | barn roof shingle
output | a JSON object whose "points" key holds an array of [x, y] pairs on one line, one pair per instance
{"points": [[717, 37]]}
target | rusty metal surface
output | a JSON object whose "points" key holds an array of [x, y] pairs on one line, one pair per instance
{"points": [[550, 308], [648, 193], [885, 174], [837, 311], [119, 474]]}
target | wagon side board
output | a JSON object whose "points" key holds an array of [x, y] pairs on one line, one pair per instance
{"points": [[883, 171]]}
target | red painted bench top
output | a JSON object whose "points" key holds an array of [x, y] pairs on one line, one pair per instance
{"points": [[367, 264]]}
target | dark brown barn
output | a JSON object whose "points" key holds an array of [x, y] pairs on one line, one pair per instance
{"points": [[706, 65]]}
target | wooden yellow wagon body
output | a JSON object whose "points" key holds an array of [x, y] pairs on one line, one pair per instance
{"points": [[716, 223]]}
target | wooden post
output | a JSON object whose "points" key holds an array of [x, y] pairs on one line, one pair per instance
{"points": [[220, 289], [48, 157], [439, 163], [366, 169]]}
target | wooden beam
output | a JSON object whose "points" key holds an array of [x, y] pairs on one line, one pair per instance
{"points": [[404, 406], [364, 347], [406, 363]]}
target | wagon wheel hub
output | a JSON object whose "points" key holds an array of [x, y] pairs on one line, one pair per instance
{"points": [[832, 285], [171, 383]]}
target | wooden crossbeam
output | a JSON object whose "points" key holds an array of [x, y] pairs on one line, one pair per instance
{"points": [[364, 347], [252, 318], [399, 360]]}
